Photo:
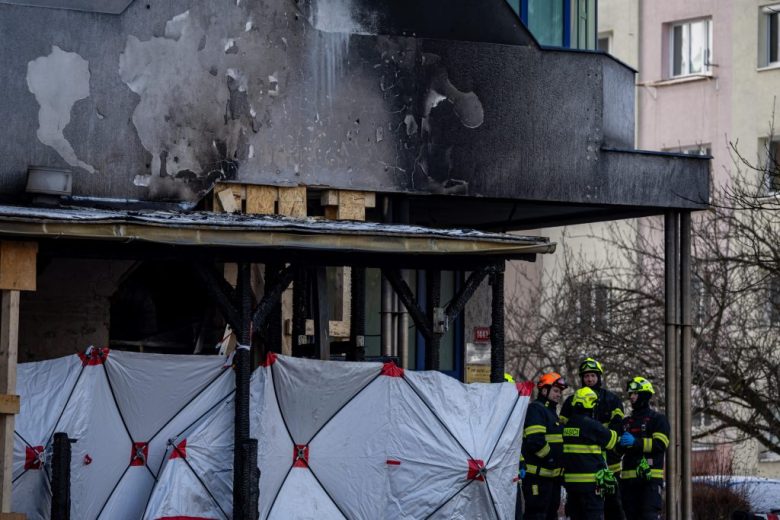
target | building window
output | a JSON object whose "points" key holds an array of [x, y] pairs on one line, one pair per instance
{"points": [[773, 301], [771, 156], [769, 19], [545, 20], [691, 47], [592, 304], [560, 23]]}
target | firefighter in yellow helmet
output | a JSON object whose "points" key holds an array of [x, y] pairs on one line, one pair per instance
{"points": [[585, 443], [644, 443], [542, 450], [609, 412]]}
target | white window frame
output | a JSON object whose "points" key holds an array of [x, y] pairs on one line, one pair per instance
{"points": [[707, 58], [768, 15]]}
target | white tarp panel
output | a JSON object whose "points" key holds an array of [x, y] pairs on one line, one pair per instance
{"points": [[335, 440], [115, 405]]}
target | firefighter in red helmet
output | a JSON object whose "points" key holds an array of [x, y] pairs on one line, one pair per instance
{"points": [[542, 450]]}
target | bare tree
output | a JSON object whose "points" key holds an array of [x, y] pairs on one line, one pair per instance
{"points": [[736, 308]]}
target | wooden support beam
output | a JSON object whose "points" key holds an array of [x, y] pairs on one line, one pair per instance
{"points": [[18, 265], [9, 343], [13, 516], [9, 404]]}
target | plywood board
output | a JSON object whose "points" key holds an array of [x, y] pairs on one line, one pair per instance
{"points": [[292, 201], [261, 200], [18, 265]]}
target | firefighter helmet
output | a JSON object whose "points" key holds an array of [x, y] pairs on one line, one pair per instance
{"points": [[639, 384], [590, 365], [550, 379], [585, 397]]}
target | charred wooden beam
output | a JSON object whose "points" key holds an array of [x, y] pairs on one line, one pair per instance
{"points": [[219, 289], [406, 296]]}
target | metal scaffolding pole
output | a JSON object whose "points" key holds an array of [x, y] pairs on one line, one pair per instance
{"points": [[386, 314], [671, 357], [686, 501], [433, 296]]}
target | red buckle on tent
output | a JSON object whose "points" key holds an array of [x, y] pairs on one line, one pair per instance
{"points": [[390, 369], [180, 451], [300, 456], [93, 356], [477, 470], [525, 388], [270, 359], [33, 457], [139, 453]]}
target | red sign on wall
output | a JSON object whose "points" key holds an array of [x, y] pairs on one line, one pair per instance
{"points": [[481, 334]]}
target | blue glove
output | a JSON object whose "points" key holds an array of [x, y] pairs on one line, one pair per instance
{"points": [[627, 440]]}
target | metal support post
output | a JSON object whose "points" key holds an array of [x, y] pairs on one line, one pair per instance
{"points": [[321, 315], [403, 330], [357, 321], [300, 299], [671, 357], [497, 324], [60, 477], [432, 344], [241, 491], [273, 336], [686, 494], [386, 318]]}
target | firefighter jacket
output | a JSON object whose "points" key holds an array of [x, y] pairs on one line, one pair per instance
{"points": [[542, 442], [609, 412], [651, 431], [585, 442]]}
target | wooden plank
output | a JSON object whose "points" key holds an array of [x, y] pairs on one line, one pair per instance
{"points": [[370, 199], [9, 347], [18, 265], [292, 201], [9, 404], [261, 200], [13, 516], [227, 201]]}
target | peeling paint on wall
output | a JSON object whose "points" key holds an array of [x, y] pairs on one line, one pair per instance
{"points": [[57, 81]]}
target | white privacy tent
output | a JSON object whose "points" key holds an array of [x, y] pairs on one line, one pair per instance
{"points": [[336, 439]]}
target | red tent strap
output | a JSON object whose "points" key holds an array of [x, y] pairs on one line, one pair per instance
{"points": [[390, 369], [94, 356], [525, 388], [270, 359], [33, 457], [300, 456], [179, 451], [477, 469], [139, 453]]}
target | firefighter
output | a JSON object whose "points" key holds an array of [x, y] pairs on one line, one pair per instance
{"points": [[542, 450], [609, 412], [585, 442], [644, 443]]}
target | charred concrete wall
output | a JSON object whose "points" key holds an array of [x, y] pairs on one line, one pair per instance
{"points": [[162, 100]]}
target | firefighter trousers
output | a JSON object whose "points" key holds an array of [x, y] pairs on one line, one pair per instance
{"points": [[613, 505], [542, 496], [642, 499], [583, 502]]}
